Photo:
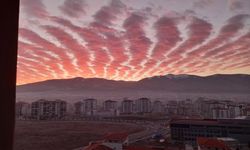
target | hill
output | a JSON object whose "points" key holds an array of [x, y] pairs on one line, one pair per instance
{"points": [[219, 83]]}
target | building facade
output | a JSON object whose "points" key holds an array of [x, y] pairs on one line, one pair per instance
{"points": [[78, 108], [109, 105], [187, 130], [90, 106], [23, 110], [87, 107], [45, 109], [143, 105], [215, 109], [158, 107], [127, 106]]}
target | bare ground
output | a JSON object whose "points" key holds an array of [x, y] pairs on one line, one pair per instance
{"points": [[63, 135]]}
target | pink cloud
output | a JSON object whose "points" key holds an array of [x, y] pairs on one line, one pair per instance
{"points": [[79, 52], [104, 49], [228, 31], [43, 45], [243, 41], [139, 43], [34, 8], [167, 34], [199, 31], [109, 13], [73, 8]]}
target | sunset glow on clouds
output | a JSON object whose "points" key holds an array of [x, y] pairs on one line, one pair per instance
{"points": [[132, 39]]}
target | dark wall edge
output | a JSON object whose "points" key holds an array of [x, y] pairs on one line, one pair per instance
{"points": [[8, 59]]}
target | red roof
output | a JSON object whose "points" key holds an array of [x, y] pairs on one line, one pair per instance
{"points": [[211, 142], [116, 136], [97, 146]]}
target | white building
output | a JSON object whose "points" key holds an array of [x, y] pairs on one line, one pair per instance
{"points": [[218, 109], [220, 113]]}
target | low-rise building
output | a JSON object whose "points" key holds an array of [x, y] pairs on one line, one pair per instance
{"points": [[187, 130], [112, 141], [116, 140]]}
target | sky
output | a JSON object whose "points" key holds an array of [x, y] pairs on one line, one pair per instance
{"points": [[132, 39]]}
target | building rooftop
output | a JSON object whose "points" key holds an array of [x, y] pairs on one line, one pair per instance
{"points": [[116, 136], [196, 121], [223, 122], [205, 142], [127, 100], [226, 139], [243, 117]]}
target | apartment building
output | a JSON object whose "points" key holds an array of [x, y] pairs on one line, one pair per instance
{"points": [[127, 106], [87, 107], [143, 105], [109, 105], [23, 110], [45, 109]]}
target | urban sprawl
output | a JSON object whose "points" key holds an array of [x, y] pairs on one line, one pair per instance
{"points": [[185, 124]]}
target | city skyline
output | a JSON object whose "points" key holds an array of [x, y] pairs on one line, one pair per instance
{"points": [[131, 40]]}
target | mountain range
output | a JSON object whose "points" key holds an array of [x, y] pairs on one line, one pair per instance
{"points": [[218, 83]]}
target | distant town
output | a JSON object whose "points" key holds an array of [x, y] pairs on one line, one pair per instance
{"points": [[185, 124], [201, 108]]}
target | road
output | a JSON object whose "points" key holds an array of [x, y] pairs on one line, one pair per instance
{"points": [[150, 129]]}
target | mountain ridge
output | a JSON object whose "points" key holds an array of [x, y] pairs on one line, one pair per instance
{"points": [[225, 83]]}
